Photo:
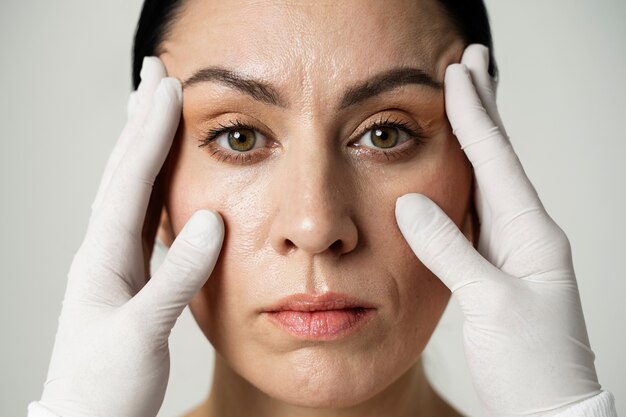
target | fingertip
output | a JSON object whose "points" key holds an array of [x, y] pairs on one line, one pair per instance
{"points": [[412, 205], [204, 229], [152, 66], [152, 71], [169, 88], [476, 50], [476, 58], [408, 199], [401, 203], [456, 70], [176, 86], [214, 220]]}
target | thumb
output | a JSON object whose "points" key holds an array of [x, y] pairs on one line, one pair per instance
{"points": [[185, 269], [440, 245]]}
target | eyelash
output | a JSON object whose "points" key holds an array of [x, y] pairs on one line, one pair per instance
{"points": [[416, 138], [226, 156]]}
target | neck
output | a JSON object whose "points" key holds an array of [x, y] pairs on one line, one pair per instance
{"points": [[233, 396]]}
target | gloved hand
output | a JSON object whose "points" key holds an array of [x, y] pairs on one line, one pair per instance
{"points": [[111, 355], [524, 333]]}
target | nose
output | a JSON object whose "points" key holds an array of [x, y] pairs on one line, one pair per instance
{"points": [[313, 212]]}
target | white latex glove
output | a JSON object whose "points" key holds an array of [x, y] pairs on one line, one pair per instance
{"points": [[111, 355], [524, 333]]}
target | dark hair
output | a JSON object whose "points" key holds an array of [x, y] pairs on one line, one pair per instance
{"points": [[469, 16]]}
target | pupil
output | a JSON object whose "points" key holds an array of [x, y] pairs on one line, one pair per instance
{"points": [[385, 137], [240, 138], [382, 135]]}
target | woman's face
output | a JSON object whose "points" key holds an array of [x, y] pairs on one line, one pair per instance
{"points": [[349, 116]]}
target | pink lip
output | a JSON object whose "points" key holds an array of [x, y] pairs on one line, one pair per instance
{"points": [[326, 316]]}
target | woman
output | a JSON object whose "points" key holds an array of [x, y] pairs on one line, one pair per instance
{"points": [[318, 197]]}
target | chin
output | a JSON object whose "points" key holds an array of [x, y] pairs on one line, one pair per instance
{"points": [[326, 398], [324, 378], [325, 392]]}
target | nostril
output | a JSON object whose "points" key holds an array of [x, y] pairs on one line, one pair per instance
{"points": [[336, 246], [289, 245]]}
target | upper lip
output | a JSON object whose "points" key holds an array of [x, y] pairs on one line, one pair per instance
{"points": [[317, 302]]}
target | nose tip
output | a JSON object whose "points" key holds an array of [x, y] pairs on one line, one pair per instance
{"points": [[315, 236]]}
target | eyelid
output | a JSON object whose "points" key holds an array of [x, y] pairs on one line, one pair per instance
{"points": [[413, 129], [404, 137], [238, 122]]}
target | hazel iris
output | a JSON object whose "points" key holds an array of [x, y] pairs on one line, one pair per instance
{"points": [[384, 137], [241, 140]]}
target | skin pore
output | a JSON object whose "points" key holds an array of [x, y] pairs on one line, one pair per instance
{"points": [[309, 208]]}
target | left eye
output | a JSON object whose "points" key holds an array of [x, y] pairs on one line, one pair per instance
{"points": [[241, 140], [383, 137]]}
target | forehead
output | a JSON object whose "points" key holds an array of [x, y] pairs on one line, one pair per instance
{"points": [[310, 43]]}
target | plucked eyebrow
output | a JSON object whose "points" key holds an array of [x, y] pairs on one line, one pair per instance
{"points": [[386, 81], [263, 91]]}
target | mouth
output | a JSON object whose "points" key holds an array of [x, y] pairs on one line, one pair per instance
{"points": [[327, 316]]}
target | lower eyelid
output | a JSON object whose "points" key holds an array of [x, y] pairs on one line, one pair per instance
{"points": [[404, 150], [235, 157]]}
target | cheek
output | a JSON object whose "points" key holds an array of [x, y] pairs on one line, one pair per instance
{"points": [[443, 174], [195, 182]]}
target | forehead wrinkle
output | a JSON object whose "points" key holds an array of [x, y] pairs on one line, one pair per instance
{"points": [[309, 52], [300, 65]]}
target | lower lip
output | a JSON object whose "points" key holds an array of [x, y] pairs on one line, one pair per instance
{"points": [[321, 325]]}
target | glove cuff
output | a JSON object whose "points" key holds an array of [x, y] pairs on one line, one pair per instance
{"points": [[35, 409], [601, 405]]}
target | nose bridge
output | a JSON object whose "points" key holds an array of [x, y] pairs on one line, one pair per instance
{"points": [[313, 211]]}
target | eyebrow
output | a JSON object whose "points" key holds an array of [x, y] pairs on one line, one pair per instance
{"points": [[262, 91]]}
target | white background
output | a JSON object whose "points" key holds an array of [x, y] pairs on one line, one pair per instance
{"points": [[64, 81]]}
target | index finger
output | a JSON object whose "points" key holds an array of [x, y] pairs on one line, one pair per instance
{"points": [[152, 71], [126, 199], [497, 168]]}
